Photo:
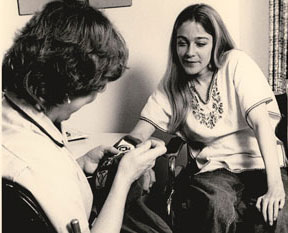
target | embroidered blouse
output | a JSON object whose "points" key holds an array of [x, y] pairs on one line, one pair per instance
{"points": [[221, 124]]}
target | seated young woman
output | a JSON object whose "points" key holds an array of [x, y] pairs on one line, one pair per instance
{"points": [[216, 98]]}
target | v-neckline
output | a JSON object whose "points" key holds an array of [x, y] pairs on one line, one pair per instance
{"points": [[208, 95]]}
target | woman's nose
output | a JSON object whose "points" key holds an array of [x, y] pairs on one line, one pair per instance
{"points": [[191, 50]]}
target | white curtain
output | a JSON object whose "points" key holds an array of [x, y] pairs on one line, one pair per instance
{"points": [[278, 46]]}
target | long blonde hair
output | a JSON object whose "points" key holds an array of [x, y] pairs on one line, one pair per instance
{"points": [[175, 82]]}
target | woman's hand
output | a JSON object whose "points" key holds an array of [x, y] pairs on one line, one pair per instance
{"points": [[140, 160], [148, 179], [89, 162], [270, 203]]}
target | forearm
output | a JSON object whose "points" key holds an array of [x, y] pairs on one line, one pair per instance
{"points": [[274, 199], [266, 138], [143, 130], [111, 216], [267, 144]]}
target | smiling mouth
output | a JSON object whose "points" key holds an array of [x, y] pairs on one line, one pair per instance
{"points": [[190, 63]]}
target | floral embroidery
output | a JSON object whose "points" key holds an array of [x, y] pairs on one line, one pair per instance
{"points": [[211, 118]]}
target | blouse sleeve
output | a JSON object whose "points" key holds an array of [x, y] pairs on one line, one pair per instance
{"points": [[253, 89], [157, 110]]}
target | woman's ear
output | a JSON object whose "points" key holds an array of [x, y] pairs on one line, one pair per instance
{"points": [[40, 105]]}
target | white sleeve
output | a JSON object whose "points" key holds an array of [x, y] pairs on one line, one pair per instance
{"points": [[253, 89], [157, 110]]}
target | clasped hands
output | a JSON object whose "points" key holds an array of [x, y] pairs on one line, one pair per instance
{"points": [[134, 163]]}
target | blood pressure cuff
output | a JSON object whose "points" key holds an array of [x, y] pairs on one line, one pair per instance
{"points": [[103, 177]]}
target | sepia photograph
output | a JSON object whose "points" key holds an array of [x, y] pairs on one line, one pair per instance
{"points": [[144, 116]]}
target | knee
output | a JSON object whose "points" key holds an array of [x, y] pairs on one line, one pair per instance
{"points": [[221, 209]]}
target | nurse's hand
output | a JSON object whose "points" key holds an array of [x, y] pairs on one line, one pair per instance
{"points": [[89, 162], [140, 160]]}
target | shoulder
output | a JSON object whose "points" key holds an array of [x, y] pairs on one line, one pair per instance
{"points": [[159, 96], [237, 57], [234, 56], [235, 53], [24, 142], [238, 61]]}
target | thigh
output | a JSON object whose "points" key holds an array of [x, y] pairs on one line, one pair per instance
{"points": [[208, 201], [218, 189], [281, 226], [220, 181], [255, 184]]}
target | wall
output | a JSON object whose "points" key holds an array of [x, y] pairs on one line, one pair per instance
{"points": [[146, 27], [254, 28], [9, 24]]}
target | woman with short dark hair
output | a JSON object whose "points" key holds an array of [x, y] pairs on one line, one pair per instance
{"points": [[59, 61]]}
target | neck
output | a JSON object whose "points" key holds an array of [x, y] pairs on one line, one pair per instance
{"points": [[204, 78], [53, 113]]}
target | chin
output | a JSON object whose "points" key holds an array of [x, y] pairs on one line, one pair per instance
{"points": [[64, 118], [191, 72], [67, 118]]}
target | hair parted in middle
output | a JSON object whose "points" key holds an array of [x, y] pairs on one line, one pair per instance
{"points": [[67, 49], [175, 81]]}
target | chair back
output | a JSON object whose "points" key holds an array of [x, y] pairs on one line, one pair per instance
{"points": [[21, 212], [282, 130]]}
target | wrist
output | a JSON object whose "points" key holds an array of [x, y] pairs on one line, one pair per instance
{"points": [[273, 174], [274, 181], [123, 180]]}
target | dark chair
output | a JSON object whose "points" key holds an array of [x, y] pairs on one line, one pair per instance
{"points": [[281, 130], [21, 212]]}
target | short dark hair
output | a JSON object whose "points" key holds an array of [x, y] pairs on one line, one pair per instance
{"points": [[67, 49]]}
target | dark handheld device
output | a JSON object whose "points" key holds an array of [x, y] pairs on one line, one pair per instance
{"points": [[104, 175], [174, 146], [124, 145]]}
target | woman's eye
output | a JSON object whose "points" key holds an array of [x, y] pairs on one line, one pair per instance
{"points": [[181, 43], [200, 44]]}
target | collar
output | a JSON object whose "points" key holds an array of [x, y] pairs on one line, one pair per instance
{"points": [[39, 119]]}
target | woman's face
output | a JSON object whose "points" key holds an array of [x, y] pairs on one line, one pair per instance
{"points": [[194, 47]]}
